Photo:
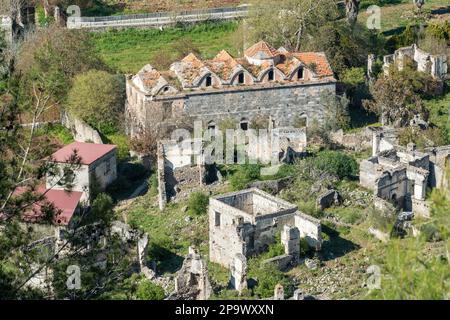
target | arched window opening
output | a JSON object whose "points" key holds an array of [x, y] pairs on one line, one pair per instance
{"points": [[241, 78], [271, 75], [300, 73], [244, 124], [211, 126], [208, 81]]}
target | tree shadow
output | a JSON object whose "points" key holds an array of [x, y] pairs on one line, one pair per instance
{"points": [[335, 247], [166, 260], [441, 10]]}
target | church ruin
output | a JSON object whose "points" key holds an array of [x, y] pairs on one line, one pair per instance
{"points": [[273, 83]]}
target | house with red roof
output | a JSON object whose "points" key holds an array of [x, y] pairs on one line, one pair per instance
{"points": [[279, 85], [97, 167], [63, 205]]}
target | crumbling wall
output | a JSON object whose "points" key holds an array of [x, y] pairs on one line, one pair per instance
{"points": [[7, 27], [162, 196], [81, 131], [225, 241], [439, 159], [327, 199], [310, 229], [392, 185], [434, 65], [238, 269], [368, 173], [192, 281], [356, 141], [273, 186]]}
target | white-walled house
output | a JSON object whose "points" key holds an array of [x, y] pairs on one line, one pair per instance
{"points": [[97, 163]]}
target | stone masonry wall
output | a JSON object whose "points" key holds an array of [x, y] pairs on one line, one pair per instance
{"points": [[282, 103]]}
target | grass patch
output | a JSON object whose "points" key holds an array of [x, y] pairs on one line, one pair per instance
{"points": [[57, 131], [397, 13], [170, 232], [440, 112], [128, 50]]}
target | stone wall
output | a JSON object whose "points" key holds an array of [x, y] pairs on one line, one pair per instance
{"points": [[6, 27], [81, 131], [162, 195], [357, 141], [272, 186], [283, 103], [439, 159], [248, 221], [310, 229]]}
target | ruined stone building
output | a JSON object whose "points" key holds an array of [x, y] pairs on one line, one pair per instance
{"points": [[434, 65], [273, 83], [402, 174], [246, 223], [15, 17]]}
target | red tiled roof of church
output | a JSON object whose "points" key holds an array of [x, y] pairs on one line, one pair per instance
{"points": [[322, 66], [263, 47]]}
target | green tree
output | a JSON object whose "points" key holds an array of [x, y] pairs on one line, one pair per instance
{"points": [[48, 60], [198, 203], [95, 94], [290, 22], [147, 290], [398, 96], [102, 208]]}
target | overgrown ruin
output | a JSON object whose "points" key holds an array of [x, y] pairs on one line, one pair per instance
{"points": [[247, 222]]}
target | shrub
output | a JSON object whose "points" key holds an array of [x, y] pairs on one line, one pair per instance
{"points": [[60, 132], [102, 208], [431, 137], [333, 162], [147, 290], [268, 276], [198, 203], [430, 232], [123, 145]]}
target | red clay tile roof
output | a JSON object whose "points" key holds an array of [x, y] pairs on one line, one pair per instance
{"points": [[193, 60], [262, 47], [65, 204], [222, 65], [150, 78], [88, 152], [323, 68]]}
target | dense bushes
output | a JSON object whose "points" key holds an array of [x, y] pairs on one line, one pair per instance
{"points": [[244, 175], [147, 290], [431, 137], [268, 276], [198, 203], [332, 162]]}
